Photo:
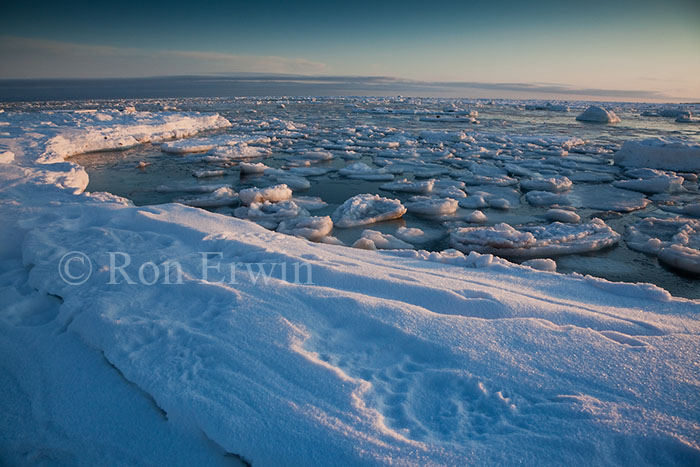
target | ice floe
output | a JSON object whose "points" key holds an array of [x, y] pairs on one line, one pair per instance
{"points": [[273, 194], [313, 228], [674, 241], [367, 209], [381, 241], [660, 153], [428, 206], [409, 186], [548, 240]]}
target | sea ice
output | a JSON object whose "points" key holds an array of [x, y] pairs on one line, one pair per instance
{"points": [[553, 239], [312, 228], [427, 206], [409, 186], [273, 194], [367, 209], [660, 153], [598, 115], [384, 241]]}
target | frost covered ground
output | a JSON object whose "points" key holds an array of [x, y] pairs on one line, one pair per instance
{"points": [[405, 356]]}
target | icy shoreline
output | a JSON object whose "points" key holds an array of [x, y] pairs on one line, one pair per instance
{"points": [[385, 358]]}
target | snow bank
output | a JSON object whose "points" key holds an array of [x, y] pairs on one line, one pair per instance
{"points": [[553, 239], [660, 153], [598, 115], [367, 209]]}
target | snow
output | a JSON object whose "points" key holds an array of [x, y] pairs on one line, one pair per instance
{"points": [[402, 357], [598, 114], [272, 193], [660, 153], [367, 209], [313, 228], [553, 239]]}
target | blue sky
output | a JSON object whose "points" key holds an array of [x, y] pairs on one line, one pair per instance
{"points": [[648, 48]]}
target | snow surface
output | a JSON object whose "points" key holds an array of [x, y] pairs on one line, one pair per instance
{"points": [[389, 358]]}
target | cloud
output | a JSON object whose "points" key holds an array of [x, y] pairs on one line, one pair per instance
{"points": [[37, 58], [223, 74]]}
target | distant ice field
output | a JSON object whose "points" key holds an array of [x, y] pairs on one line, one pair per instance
{"points": [[518, 163]]}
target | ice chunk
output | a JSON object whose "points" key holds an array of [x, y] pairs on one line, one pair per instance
{"points": [[675, 241], [556, 184], [546, 198], [662, 183], [270, 212], [360, 170], [423, 186], [273, 194], [606, 198], [541, 264], [313, 228], [563, 215], [208, 173], [427, 206], [476, 217], [416, 235], [364, 244], [252, 168], [310, 203], [660, 153], [384, 241], [598, 115], [186, 188], [553, 239], [367, 209], [222, 197], [294, 182], [235, 152], [6, 157]]}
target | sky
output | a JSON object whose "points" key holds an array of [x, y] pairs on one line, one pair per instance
{"points": [[613, 50]]}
